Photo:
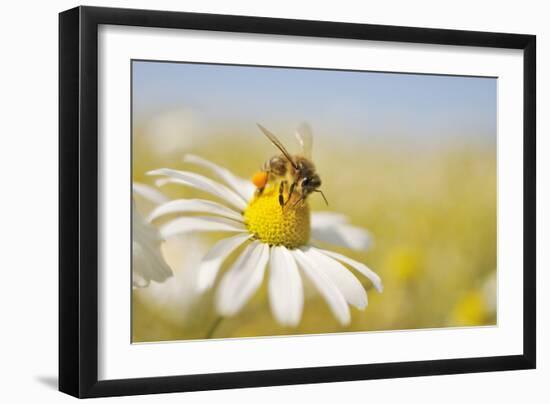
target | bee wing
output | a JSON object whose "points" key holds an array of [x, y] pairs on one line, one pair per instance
{"points": [[304, 135], [277, 143]]}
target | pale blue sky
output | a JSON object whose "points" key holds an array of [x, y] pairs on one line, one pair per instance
{"points": [[386, 105]]}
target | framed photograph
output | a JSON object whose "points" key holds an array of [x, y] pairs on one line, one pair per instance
{"points": [[251, 201]]}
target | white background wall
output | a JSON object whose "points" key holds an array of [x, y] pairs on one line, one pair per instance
{"points": [[28, 213]]}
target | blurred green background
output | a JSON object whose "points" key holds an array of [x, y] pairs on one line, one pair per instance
{"points": [[411, 158]]}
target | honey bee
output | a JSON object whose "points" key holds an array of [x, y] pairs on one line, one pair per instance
{"points": [[297, 173]]}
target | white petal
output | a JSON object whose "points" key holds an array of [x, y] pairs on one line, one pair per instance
{"points": [[213, 260], [183, 225], [327, 219], [138, 281], [369, 273], [242, 279], [286, 293], [147, 261], [325, 286], [149, 193], [147, 267], [344, 235], [240, 185], [194, 206], [202, 183], [333, 228], [345, 281], [141, 270]]}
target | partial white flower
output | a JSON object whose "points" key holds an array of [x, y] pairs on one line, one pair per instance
{"points": [[147, 261], [253, 224], [174, 298]]}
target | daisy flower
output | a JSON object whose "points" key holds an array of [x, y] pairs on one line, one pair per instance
{"points": [[283, 241]]}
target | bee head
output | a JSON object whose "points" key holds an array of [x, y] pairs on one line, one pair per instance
{"points": [[311, 183]]}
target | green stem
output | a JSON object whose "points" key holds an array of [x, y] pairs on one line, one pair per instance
{"points": [[214, 327]]}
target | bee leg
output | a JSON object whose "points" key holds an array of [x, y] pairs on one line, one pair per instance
{"points": [[300, 199], [282, 186], [259, 191], [290, 192], [303, 199]]}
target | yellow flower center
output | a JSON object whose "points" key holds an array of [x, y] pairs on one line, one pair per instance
{"points": [[271, 224]]}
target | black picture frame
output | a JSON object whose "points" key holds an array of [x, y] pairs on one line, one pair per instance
{"points": [[78, 200]]}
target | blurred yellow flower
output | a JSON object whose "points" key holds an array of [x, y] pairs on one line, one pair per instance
{"points": [[404, 263], [469, 310], [476, 307]]}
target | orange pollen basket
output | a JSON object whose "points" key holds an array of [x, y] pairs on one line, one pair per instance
{"points": [[259, 179]]}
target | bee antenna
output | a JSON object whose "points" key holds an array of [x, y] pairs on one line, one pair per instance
{"points": [[323, 195]]}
